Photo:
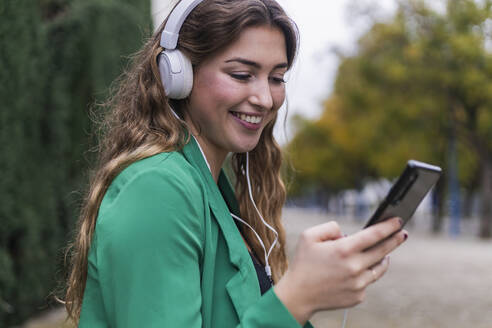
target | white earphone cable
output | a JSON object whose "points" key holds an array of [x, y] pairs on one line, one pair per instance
{"points": [[268, 269], [267, 255], [345, 315]]}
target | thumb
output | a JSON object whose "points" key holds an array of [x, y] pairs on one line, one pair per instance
{"points": [[324, 232]]}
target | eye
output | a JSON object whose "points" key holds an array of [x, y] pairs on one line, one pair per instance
{"points": [[277, 79], [240, 76]]}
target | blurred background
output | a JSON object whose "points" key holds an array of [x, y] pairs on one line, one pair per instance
{"points": [[375, 84]]}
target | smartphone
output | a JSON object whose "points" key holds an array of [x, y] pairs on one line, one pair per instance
{"points": [[408, 191]]}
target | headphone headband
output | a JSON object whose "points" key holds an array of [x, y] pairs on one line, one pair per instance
{"points": [[170, 34]]}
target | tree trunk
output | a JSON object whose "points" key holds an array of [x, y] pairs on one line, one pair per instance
{"points": [[486, 203], [467, 204]]}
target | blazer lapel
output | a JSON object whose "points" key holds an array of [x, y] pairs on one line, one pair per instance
{"points": [[243, 287]]}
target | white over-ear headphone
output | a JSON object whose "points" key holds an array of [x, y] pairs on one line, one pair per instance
{"points": [[175, 68]]}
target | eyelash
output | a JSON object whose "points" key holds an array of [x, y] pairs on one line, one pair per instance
{"points": [[241, 77], [278, 80], [245, 77]]}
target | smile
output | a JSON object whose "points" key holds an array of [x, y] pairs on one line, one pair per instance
{"points": [[248, 118]]}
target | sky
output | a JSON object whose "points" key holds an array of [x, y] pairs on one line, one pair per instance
{"points": [[323, 26]]}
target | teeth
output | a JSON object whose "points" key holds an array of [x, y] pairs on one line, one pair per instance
{"points": [[249, 119]]}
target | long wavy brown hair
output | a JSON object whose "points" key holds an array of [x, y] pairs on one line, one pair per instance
{"points": [[139, 123]]}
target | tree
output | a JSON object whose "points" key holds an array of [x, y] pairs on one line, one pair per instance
{"points": [[57, 57], [412, 84], [29, 228]]}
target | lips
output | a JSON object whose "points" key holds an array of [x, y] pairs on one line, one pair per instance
{"points": [[252, 119]]}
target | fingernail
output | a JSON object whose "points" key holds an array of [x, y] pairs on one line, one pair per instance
{"points": [[405, 236], [401, 222]]}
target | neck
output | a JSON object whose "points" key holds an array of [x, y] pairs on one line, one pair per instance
{"points": [[213, 157]]}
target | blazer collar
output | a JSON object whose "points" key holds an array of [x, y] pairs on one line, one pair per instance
{"points": [[217, 202], [243, 287]]}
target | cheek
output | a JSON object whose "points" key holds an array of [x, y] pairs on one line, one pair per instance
{"points": [[216, 89], [278, 97]]}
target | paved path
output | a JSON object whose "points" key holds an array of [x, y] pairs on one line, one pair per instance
{"points": [[432, 282]]}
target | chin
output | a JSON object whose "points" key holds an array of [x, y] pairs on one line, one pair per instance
{"points": [[245, 147], [240, 150]]}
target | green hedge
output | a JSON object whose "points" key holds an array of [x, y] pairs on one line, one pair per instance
{"points": [[56, 58]]}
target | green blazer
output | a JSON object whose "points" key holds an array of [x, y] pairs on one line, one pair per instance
{"points": [[166, 252]]}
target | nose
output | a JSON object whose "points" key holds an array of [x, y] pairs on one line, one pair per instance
{"points": [[261, 95]]}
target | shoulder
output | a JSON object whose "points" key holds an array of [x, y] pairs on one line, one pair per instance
{"points": [[167, 172], [159, 193]]}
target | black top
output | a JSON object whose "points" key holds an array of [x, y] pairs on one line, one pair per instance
{"points": [[263, 279]]}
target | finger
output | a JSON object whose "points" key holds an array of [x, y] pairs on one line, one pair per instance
{"points": [[370, 275], [374, 255], [377, 271], [368, 237], [323, 232]]}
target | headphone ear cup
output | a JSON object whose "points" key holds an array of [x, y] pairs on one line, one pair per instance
{"points": [[176, 74], [187, 76]]}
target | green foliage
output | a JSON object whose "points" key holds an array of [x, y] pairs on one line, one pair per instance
{"points": [[57, 58], [413, 83], [88, 49], [27, 202]]}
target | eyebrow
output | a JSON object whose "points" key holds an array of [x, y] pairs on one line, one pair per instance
{"points": [[253, 64]]}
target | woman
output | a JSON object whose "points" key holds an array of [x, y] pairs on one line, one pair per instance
{"points": [[157, 243]]}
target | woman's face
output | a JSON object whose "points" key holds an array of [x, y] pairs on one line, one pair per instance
{"points": [[237, 92]]}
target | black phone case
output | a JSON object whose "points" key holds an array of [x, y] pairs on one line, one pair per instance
{"points": [[406, 194]]}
